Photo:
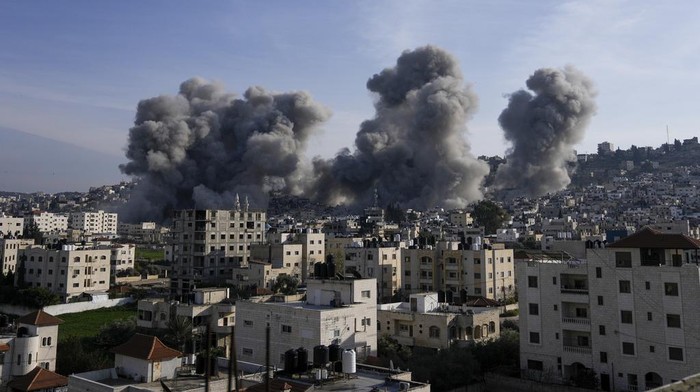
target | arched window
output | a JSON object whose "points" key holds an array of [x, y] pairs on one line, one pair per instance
{"points": [[29, 359], [468, 331], [485, 330], [477, 332], [492, 327], [77, 259]]}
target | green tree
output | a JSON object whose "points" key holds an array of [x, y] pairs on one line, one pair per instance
{"points": [[75, 355], [390, 349], [38, 297], [490, 215], [31, 231], [116, 332], [285, 284], [178, 332], [503, 352]]}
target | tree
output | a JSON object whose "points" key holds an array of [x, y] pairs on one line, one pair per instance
{"points": [[179, 332], [116, 332], [39, 297], [285, 284], [73, 355], [490, 215], [31, 231]]}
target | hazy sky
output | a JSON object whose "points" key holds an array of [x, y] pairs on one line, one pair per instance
{"points": [[74, 71]]}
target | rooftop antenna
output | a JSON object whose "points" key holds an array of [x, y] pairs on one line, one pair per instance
{"points": [[376, 198]]}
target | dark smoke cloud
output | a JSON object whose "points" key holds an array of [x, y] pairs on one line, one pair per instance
{"points": [[413, 151], [201, 147], [543, 128]]}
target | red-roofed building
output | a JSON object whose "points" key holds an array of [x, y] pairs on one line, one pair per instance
{"points": [[39, 379], [34, 346], [145, 358]]}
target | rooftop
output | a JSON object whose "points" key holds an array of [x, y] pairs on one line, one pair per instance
{"points": [[146, 347], [651, 238], [39, 318]]}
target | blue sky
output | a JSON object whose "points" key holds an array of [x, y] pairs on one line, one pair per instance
{"points": [[73, 71]]}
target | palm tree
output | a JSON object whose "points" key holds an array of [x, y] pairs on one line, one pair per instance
{"points": [[179, 331]]}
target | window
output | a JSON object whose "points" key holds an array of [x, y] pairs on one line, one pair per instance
{"points": [[671, 289], [598, 272], [247, 351], [535, 337], [248, 323], [600, 300], [652, 349], [675, 353], [365, 294], [554, 280], [628, 348], [533, 309], [650, 317], [534, 365], [625, 286], [477, 275], [623, 259], [673, 320], [601, 329], [626, 316], [434, 332], [531, 281], [647, 285], [603, 357], [556, 307], [286, 328]]}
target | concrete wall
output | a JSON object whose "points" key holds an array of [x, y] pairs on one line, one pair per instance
{"points": [[75, 307], [496, 382]]}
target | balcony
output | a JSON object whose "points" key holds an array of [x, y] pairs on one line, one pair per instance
{"points": [[576, 320], [577, 350]]}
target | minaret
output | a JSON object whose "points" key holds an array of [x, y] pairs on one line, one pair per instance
{"points": [[238, 203], [246, 204]]}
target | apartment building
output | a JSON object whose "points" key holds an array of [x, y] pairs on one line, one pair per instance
{"points": [[98, 222], [68, 272], [380, 262], [260, 274], [312, 249], [148, 232], [342, 312], [9, 253], [628, 312], [11, 226], [47, 222], [205, 307], [208, 244], [425, 322], [33, 345], [122, 257], [459, 270]]}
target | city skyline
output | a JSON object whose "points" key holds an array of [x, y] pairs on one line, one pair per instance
{"points": [[74, 75]]}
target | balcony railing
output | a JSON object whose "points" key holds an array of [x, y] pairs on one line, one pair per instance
{"points": [[570, 290], [576, 320], [577, 350]]}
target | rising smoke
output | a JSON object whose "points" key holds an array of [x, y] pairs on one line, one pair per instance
{"points": [[203, 146], [543, 129], [413, 151]]}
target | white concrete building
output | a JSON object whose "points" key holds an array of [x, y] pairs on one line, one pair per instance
{"points": [[343, 312], [47, 222], [9, 253], [11, 226], [628, 312], [98, 222], [206, 306], [425, 322], [486, 271], [380, 262], [122, 257], [34, 344], [68, 272]]}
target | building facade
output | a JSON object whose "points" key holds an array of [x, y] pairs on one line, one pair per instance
{"points": [[627, 313], [97, 222], [342, 312], [208, 244], [425, 322], [68, 272]]}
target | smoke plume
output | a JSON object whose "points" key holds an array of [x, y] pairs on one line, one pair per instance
{"points": [[543, 128], [413, 151], [202, 146]]}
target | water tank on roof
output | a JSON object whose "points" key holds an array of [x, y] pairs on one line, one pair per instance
{"points": [[330, 268], [320, 356], [335, 352], [349, 362], [290, 361], [302, 360]]}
